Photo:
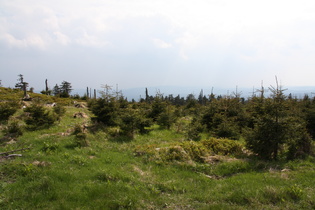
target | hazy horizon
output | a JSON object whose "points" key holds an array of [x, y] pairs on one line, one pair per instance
{"points": [[136, 93]]}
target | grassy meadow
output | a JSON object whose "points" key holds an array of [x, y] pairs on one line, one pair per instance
{"points": [[157, 170]]}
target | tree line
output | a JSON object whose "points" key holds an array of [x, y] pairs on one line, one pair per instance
{"points": [[272, 127], [63, 90]]}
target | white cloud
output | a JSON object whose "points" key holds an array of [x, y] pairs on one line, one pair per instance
{"points": [[209, 35], [37, 25], [62, 38], [90, 41], [29, 41], [35, 40], [12, 41], [161, 44]]}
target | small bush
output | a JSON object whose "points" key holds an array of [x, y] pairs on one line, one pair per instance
{"points": [[223, 146], [113, 131], [173, 153], [59, 110], [132, 121], [194, 130], [182, 124], [80, 140], [13, 129], [80, 137], [143, 125], [7, 109], [301, 148], [39, 117], [186, 151], [106, 111], [146, 151], [195, 150], [165, 120], [227, 130]]}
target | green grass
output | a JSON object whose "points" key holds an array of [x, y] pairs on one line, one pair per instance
{"points": [[109, 174]]}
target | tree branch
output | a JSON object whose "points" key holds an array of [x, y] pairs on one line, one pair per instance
{"points": [[8, 152]]}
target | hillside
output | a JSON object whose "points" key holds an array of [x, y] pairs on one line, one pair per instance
{"points": [[77, 163]]}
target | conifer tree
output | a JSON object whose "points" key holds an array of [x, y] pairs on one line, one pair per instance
{"points": [[56, 90], [277, 124], [20, 82], [65, 89]]}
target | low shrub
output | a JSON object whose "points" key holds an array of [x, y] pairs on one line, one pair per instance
{"points": [[80, 140], [173, 153], [228, 129], [59, 110], [80, 137], [223, 146], [194, 130], [187, 151], [113, 131], [190, 150], [165, 120], [38, 117], [7, 109], [195, 150], [148, 150], [182, 124], [13, 129]]}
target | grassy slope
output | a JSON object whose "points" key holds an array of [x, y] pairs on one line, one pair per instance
{"points": [[55, 174]]}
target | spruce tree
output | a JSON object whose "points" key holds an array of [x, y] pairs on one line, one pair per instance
{"points": [[56, 90], [65, 89], [20, 82], [277, 125]]}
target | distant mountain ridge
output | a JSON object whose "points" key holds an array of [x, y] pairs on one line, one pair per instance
{"points": [[138, 93]]}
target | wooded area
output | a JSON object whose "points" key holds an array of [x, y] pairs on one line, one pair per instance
{"points": [[272, 126]]}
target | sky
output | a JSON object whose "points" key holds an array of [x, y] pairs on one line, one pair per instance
{"points": [[146, 43]]}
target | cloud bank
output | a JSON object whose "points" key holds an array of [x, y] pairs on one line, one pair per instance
{"points": [[148, 43]]}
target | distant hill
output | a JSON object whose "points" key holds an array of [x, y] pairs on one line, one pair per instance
{"points": [[137, 93]]}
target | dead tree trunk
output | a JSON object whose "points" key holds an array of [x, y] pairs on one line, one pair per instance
{"points": [[46, 83]]}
